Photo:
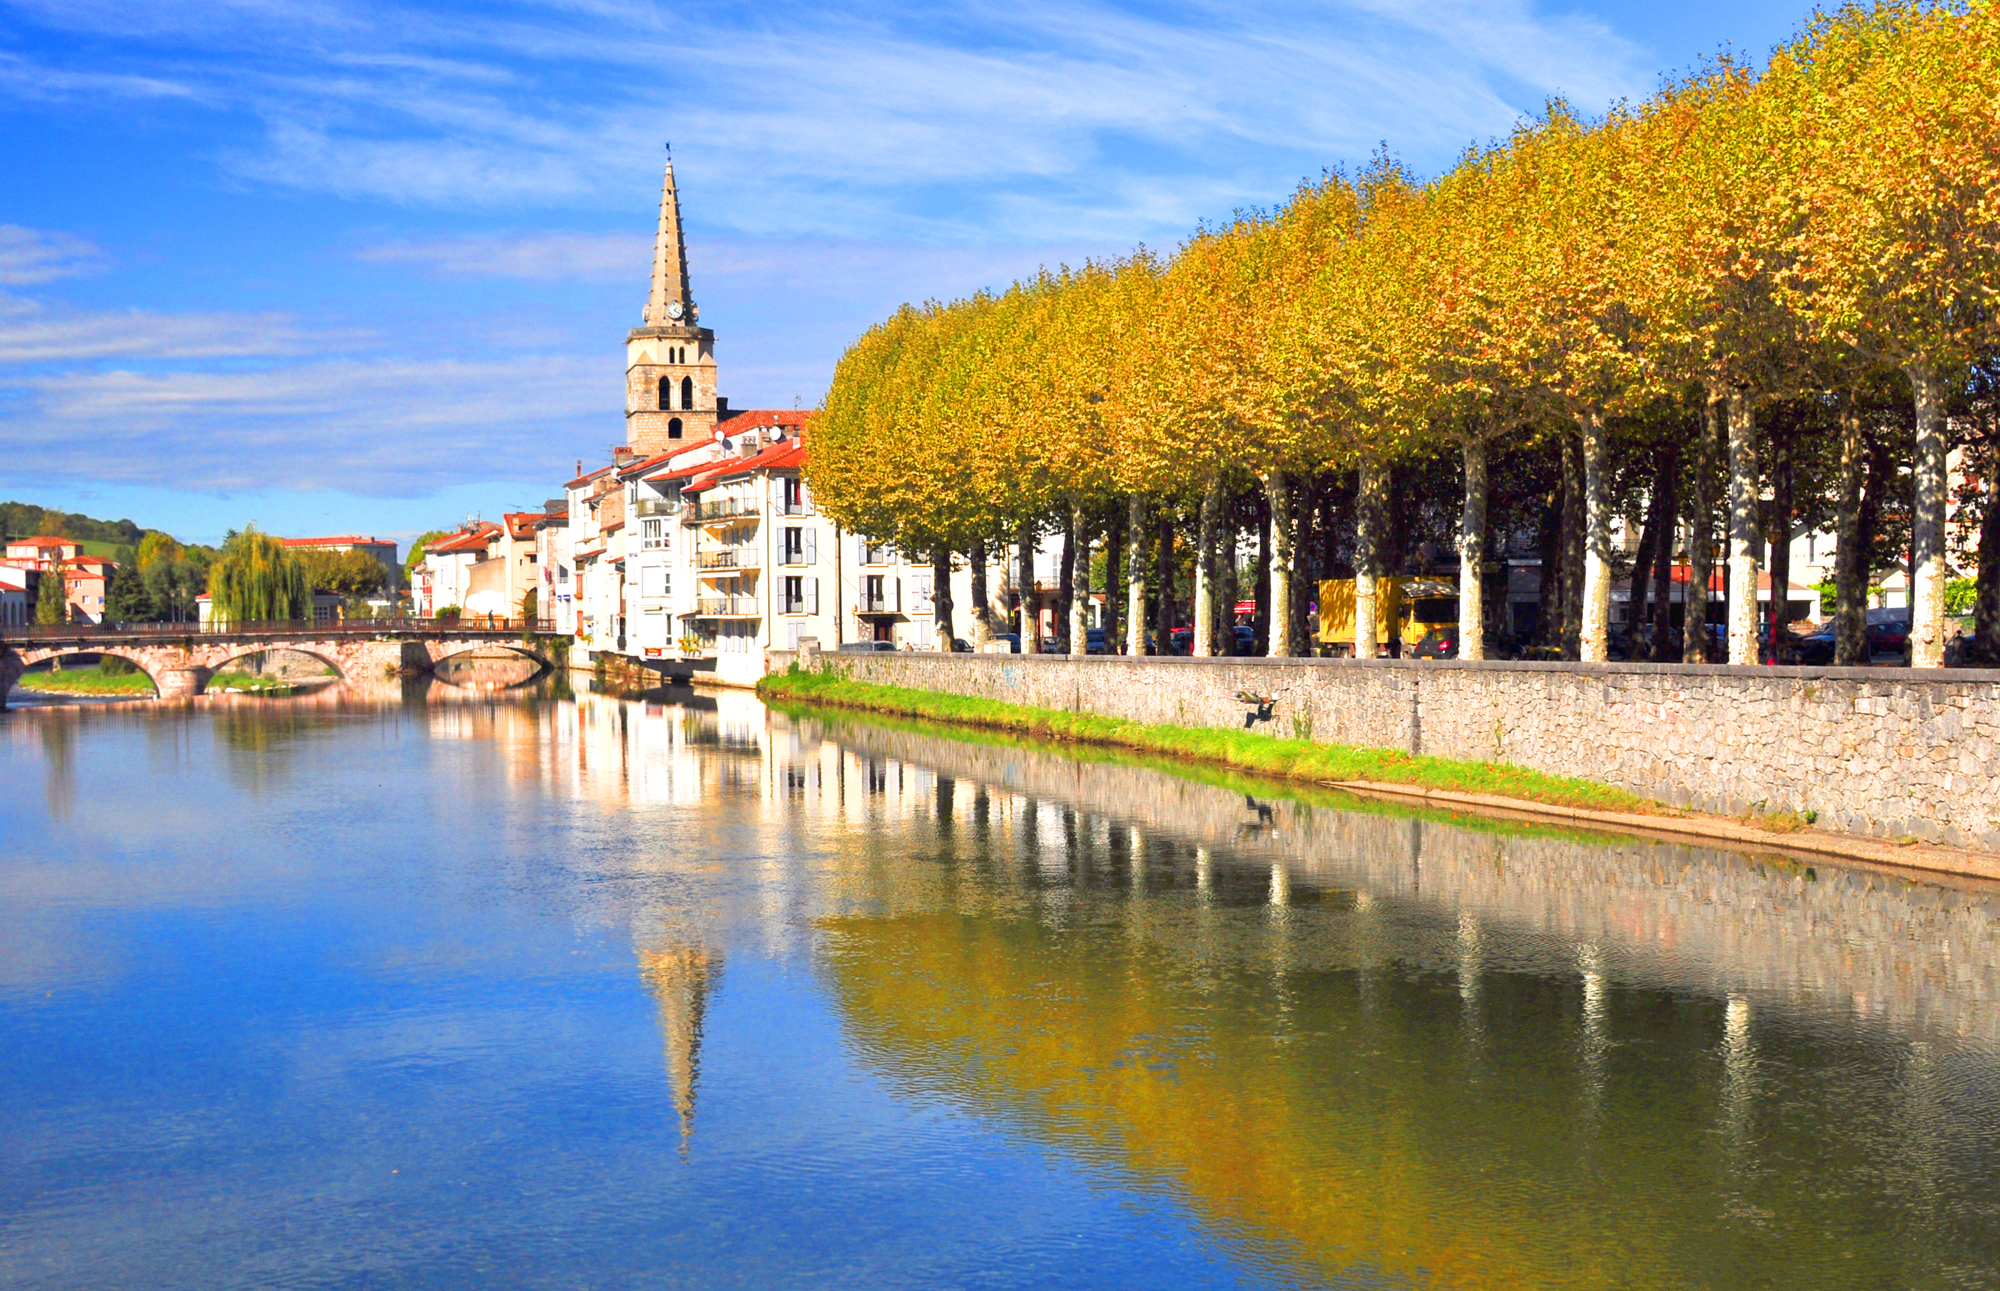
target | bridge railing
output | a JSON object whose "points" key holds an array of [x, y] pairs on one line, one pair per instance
{"points": [[296, 628]]}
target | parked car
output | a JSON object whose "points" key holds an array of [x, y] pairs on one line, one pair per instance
{"points": [[1816, 648], [1889, 634], [1180, 641], [1439, 643], [1012, 640], [1094, 642], [867, 647], [1246, 639]]}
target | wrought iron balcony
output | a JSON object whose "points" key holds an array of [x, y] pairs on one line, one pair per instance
{"points": [[732, 558], [727, 607], [719, 509]]}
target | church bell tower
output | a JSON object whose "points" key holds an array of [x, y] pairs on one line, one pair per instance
{"points": [[669, 361]]}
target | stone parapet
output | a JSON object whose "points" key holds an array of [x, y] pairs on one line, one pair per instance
{"points": [[1886, 753]]}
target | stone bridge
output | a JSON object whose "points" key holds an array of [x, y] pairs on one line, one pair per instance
{"points": [[180, 658]]}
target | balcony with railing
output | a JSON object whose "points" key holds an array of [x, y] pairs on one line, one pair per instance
{"points": [[731, 558], [718, 511], [645, 505], [727, 607], [880, 603]]}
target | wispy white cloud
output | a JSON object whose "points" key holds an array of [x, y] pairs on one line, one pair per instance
{"points": [[21, 78], [380, 426], [30, 256], [551, 254], [1027, 120], [32, 333]]}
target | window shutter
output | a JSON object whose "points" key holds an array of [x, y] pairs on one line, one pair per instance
{"points": [[812, 546], [898, 606], [812, 590]]}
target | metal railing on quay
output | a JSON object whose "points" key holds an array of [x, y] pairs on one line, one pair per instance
{"points": [[275, 627]]}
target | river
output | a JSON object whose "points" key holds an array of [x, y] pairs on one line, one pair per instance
{"points": [[448, 988]]}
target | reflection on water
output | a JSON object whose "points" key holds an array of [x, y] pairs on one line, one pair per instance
{"points": [[994, 1015]]}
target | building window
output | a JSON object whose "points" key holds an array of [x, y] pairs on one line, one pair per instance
{"points": [[666, 394], [877, 553], [687, 394], [799, 544], [652, 535], [796, 500], [674, 428]]}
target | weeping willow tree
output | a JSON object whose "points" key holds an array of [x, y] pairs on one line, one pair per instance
{"points": [[257, 579]]}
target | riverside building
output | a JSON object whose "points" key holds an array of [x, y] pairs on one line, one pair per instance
{"points": [[699, 547]]}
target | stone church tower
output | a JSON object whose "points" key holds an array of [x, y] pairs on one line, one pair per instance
{"points": [[669, 362]]}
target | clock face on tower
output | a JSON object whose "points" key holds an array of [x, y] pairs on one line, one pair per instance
{"points": [[675, 309]]}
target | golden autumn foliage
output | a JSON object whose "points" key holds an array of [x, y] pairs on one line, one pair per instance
{"points": [[1745, 235]]}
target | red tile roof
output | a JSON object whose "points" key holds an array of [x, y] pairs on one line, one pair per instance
{"points": [[748, 418], [521, 524], [585, 479], [470, 540], [787, 454]]}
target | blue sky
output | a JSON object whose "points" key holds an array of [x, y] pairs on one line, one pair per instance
{"points": [[333, 265]]}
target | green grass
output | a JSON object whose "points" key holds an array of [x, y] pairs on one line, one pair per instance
{"points": [[251, 681], [86, 681], [1266, 755]]}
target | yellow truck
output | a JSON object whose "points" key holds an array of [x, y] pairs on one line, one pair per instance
{"points": [[1405, 609]]}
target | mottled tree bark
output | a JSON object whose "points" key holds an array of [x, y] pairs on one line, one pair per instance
{"points": [[1744, 539], [1278, 493], [1135, 565], [1369, 516], [1573, 543], [941, 597], [1207, 566], [1029, 642], [1927, 526], [1114, 544], [1701, 534], [1642, 577], [1163, 596], [1471, 554], [982, 609], [1595, 641], [1076, 579], [1663, 555]]}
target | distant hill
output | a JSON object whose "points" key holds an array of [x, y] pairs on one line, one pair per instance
{"points": [[26, 520]]}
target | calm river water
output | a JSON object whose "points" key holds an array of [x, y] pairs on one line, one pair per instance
{"points": [[456, 990]]}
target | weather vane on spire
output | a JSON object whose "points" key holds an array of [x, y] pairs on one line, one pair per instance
{"points": [[670, 150]]}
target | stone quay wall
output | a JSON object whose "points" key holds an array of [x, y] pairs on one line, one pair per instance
{"points": [[1871, 751]]}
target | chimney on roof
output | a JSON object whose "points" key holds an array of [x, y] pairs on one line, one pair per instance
{"points": [[623, 455]]}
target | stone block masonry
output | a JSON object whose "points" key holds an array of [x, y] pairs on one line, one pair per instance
{"points": [[1885, 753]]}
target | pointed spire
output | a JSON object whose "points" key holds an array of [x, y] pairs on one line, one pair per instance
{"points": [[670, 263], [681, 976]]}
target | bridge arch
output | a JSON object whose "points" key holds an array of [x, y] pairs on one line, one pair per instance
{"points": [[18, 664], [222, 659], [444, 665]]}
